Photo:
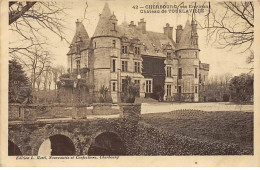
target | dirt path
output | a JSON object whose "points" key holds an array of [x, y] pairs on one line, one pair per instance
{"points": [[220, 106]]}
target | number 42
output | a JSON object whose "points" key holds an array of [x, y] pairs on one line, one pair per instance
{"points": [[135, 7]]}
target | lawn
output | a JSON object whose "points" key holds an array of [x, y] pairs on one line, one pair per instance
{"points": [[223, 127]]}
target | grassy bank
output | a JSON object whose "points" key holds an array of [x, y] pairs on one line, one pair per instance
{"points": [[235, 128]]}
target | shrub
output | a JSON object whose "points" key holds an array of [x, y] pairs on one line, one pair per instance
{"points": [[130, 91], [104, 96], [242, 88], [226, 97]]}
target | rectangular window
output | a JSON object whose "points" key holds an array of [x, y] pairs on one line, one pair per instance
{"points": [[95, 44], [148, 86], [169, 90], [196, 54], [180, 73], [137, 67], [169, 72], [196, 89], [137, 82], [137, 50], [78, 49], [200, 80], [114, 26], [114, 86], [114, 65], [114, 43], [179, 89], [124, 84], [196, 72], [168, 56], [124, 49], [78, 65], [124, 66]]}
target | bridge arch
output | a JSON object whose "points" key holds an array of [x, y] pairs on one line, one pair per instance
{"points": [[107, 143], [56, 142], [13, 149]]}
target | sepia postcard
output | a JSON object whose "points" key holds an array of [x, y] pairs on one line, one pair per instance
{"points": [[130, 83]]}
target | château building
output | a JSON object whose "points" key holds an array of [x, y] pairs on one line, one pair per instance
{"points": [[154, 61]]}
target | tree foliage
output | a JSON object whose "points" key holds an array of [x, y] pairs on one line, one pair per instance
{"points": [[19, 89], [242, 88]]}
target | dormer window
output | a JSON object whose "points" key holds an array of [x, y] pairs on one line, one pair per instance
{"points": [[137, 50], [114, 26], [78, 66], [124, 49], [168, 56], [78, 48]]}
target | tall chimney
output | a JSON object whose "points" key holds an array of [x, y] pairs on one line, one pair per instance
{"points": [[142, 26], [132, 24], [178, 33], [77, 23], [168, 30]]}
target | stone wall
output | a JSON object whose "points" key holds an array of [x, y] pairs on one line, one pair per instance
{"points": [[79, 111]]}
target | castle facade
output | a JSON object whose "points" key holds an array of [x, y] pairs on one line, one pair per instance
{"points": [[154, 61]]}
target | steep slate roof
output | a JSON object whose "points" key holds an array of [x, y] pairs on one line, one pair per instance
{"points": [[102, 28], [82, 34], [152, 41], [185, 40]]}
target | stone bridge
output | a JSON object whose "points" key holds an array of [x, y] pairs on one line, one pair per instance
{"points": [[101, 129], [78, 135]]}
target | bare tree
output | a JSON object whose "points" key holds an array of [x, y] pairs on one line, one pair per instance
{"points": [[230, 24], [35, 63], [31, 23], [50, 78], [56, 73], [38, 81]]}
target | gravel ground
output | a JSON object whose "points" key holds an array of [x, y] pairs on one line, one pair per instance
{"points": [[219, 106]]}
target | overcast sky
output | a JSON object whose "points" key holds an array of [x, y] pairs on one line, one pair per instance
{"points": [[221, 60]]}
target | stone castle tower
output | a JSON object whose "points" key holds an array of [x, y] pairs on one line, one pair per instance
{"points": [[187, 52]]}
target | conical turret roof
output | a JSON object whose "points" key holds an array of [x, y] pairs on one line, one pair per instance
{"points": [[186, 37], [81, 36], [103, 26]]}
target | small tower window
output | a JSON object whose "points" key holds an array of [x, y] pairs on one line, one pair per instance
{"points": [[180, 73], [196, 89], [169, 72], [169, 90], [114, 86], [114, 43], [196, 72], [78, 65], [114, 65], [95, 44], [196, 54]]}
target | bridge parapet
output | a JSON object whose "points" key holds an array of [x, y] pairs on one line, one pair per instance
{"points": [[34, 112]]}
